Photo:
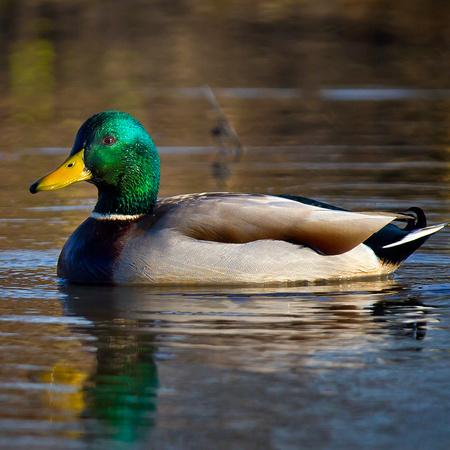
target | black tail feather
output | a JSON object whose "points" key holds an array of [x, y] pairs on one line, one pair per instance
{"points": [[418, 218]]}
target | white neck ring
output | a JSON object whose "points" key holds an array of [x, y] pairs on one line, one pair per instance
{"points": [[99, 216]]}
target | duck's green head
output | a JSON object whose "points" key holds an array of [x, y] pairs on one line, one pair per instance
{"points": [[113, 151]]}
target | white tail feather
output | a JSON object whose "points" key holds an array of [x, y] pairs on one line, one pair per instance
{"points": [[417, 234]]}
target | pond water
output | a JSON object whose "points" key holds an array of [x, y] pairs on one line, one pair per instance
{"points": [[351, 108]]}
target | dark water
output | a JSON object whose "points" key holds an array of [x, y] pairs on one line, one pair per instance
{"points": [[346, 105]]}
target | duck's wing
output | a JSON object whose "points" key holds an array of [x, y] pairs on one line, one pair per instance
{"points": [[239, 218]]}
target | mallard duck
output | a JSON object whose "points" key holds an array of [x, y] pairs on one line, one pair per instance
{"points": [[133, 238]]}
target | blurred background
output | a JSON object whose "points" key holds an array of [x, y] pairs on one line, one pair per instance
{"points": [[273, 60]]}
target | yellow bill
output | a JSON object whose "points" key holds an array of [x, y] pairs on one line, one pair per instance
{"points": [[70, 171]]}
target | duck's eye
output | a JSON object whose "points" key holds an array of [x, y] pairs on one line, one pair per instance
{"points": [[109, 140]]}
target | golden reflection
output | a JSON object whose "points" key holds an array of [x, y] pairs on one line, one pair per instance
{"points": [[53, 357], [65, 404]]}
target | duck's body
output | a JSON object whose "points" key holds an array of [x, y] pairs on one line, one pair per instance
{"points": [[208, 238], [131, 238]]}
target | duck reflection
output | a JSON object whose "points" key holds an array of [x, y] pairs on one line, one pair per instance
{"points": [[406, 317], [252, 329], [120, 397]]}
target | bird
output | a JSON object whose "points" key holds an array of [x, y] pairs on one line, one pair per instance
{"points": [[132, 237]]}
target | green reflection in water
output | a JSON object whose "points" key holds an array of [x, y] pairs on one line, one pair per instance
{"points": [[123, 393], [120, 397]]}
